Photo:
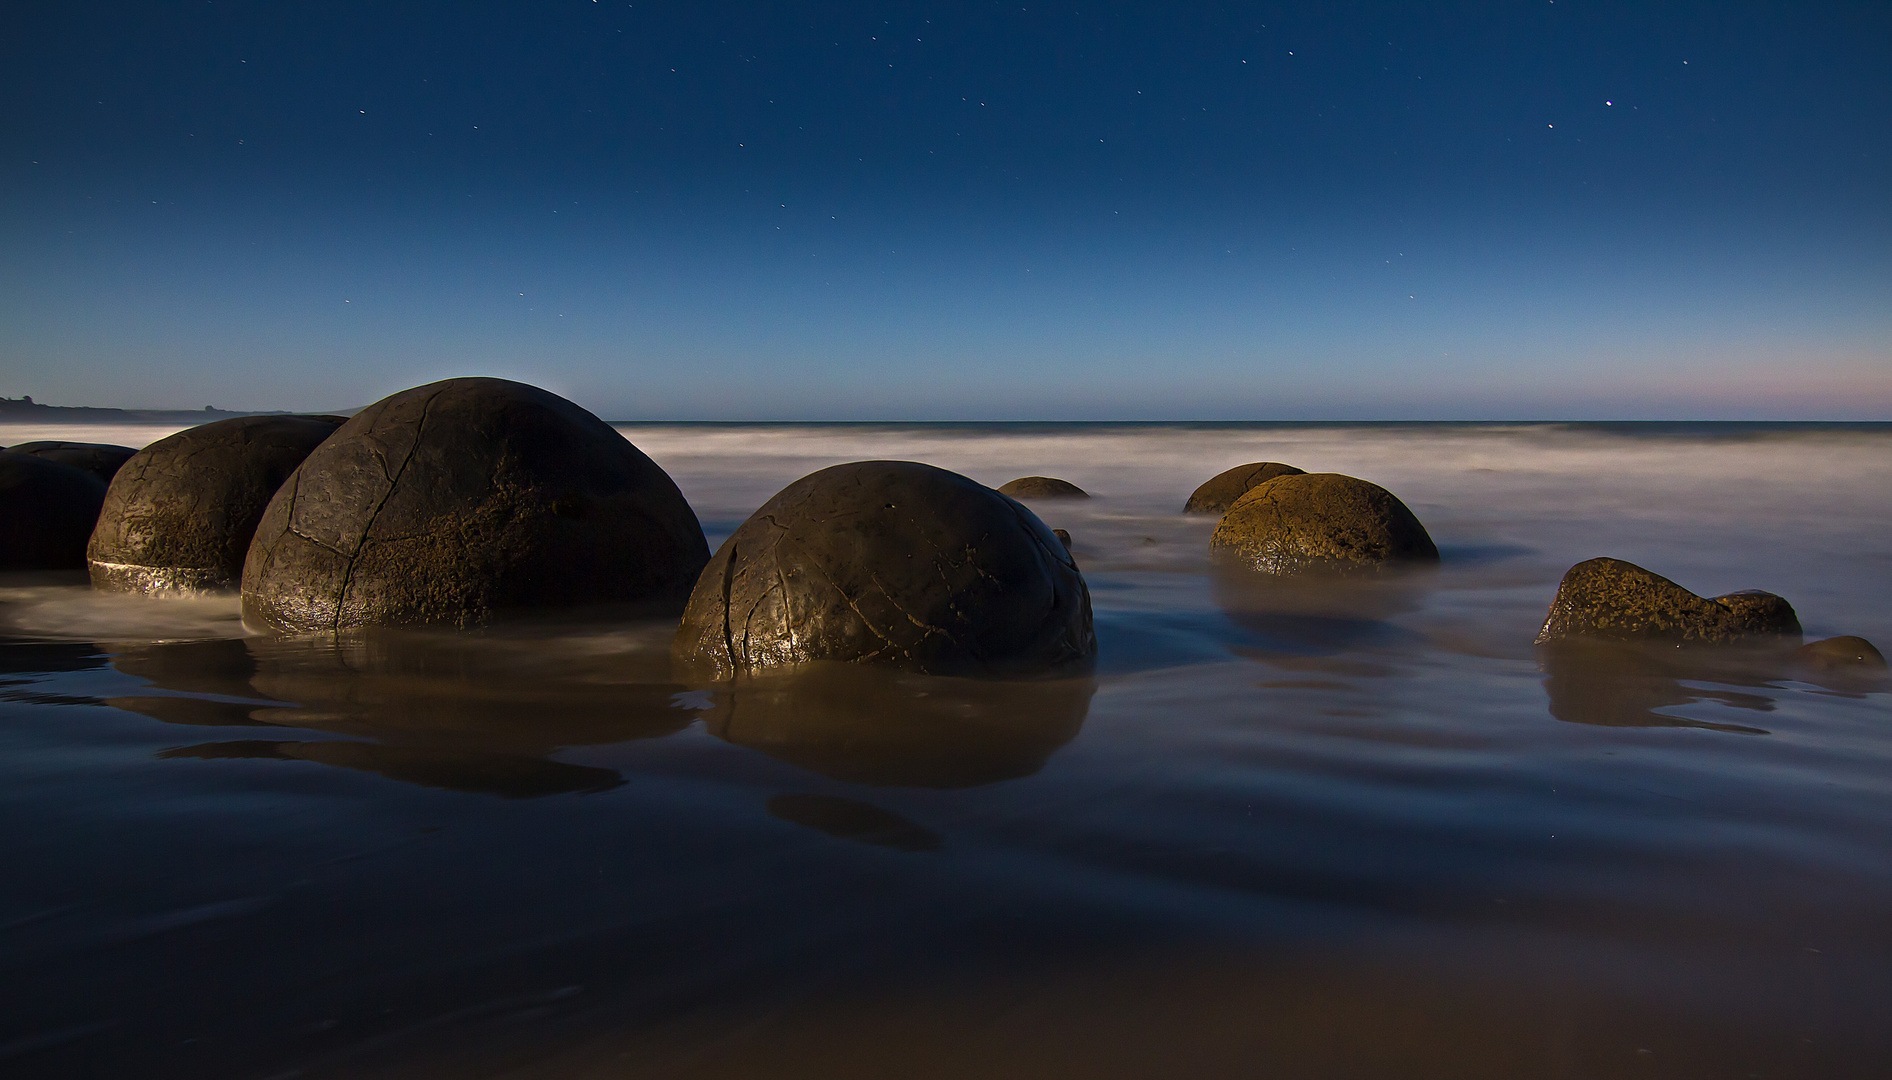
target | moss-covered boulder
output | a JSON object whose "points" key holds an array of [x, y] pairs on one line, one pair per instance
{"points": [[1302, 522], [1614, 600]]}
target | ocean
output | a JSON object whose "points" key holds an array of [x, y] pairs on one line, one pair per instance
{"points": [[1366, 831]]}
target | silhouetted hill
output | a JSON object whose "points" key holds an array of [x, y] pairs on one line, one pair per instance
{"points": [[26, 409]]}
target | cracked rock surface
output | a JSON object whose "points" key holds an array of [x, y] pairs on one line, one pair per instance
{"points": [[46, 513], [180, 513], [1220, 491], [463, 500], [1320, 521], [100, 459], [1620, 601], [893, 563]]}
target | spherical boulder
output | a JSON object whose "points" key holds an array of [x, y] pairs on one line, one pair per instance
{"points": [[1043, 487], [1619, 601], [180, 513], [893, 563], [1220, 491], [463, 500], [1301, 522], [100, 459], [47, 510]]}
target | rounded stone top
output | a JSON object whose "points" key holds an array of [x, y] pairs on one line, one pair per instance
{"points": [[1220, 491], [180, 513], [1847, 651], [1320, 521], [894, 563], [100, 459], [1043, 487], [47, 510], [459, 501]]}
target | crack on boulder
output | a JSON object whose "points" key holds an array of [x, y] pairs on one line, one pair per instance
{"points": [[348, 577]]}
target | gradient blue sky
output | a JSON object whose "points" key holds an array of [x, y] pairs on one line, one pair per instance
{"points": [[971, 211]]}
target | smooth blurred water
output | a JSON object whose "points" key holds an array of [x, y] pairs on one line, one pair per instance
{"points": [[1363, 832]]}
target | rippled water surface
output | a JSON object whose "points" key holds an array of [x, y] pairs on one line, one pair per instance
{"points": [[1361, 832]]}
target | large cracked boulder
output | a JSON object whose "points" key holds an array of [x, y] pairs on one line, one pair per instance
{"points": [[1613, 600], [46, 513], [465, 500], [893, 563], [100, 459], [1302, 522], [1042, 487], [180, 513], [1220, 491]]}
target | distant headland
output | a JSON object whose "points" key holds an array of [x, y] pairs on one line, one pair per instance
{"points": [[26, 409]]}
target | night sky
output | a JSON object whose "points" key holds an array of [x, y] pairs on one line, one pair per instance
{"points": [[964, 211]]}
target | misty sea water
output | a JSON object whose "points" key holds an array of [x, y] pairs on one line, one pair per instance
{"points": [[1371, 832]]}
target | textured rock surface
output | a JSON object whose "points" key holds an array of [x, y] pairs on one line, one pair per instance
{"points": [[180, 513], [46, 513], [100, 459], [1220, 491], [1313, 521], [461, 500], [1840, 653], [1620, 601], [889, 562], [1043, 487]]}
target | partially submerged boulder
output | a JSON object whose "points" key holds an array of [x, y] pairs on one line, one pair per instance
{"points": [[1220, 491], [47, 510], [100, 459], [1300, 522], [180, 513], [894, 563], [1614, 600], [463, 500], [1844, 653], [1043, 487]]}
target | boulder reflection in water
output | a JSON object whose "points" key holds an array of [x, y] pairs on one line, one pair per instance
{"points": [[1621, 684], [876, 726], [467, 712], [1321, 612]]}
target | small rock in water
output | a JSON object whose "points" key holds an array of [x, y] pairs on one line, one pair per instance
{"points": [[1620, 601], [1043, 487], [460, 500], [893, 563], [1839, 653], [1063, 538], [100, 459], [47, 510], [1220, 491], [1299, 522], [180, 513]]}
